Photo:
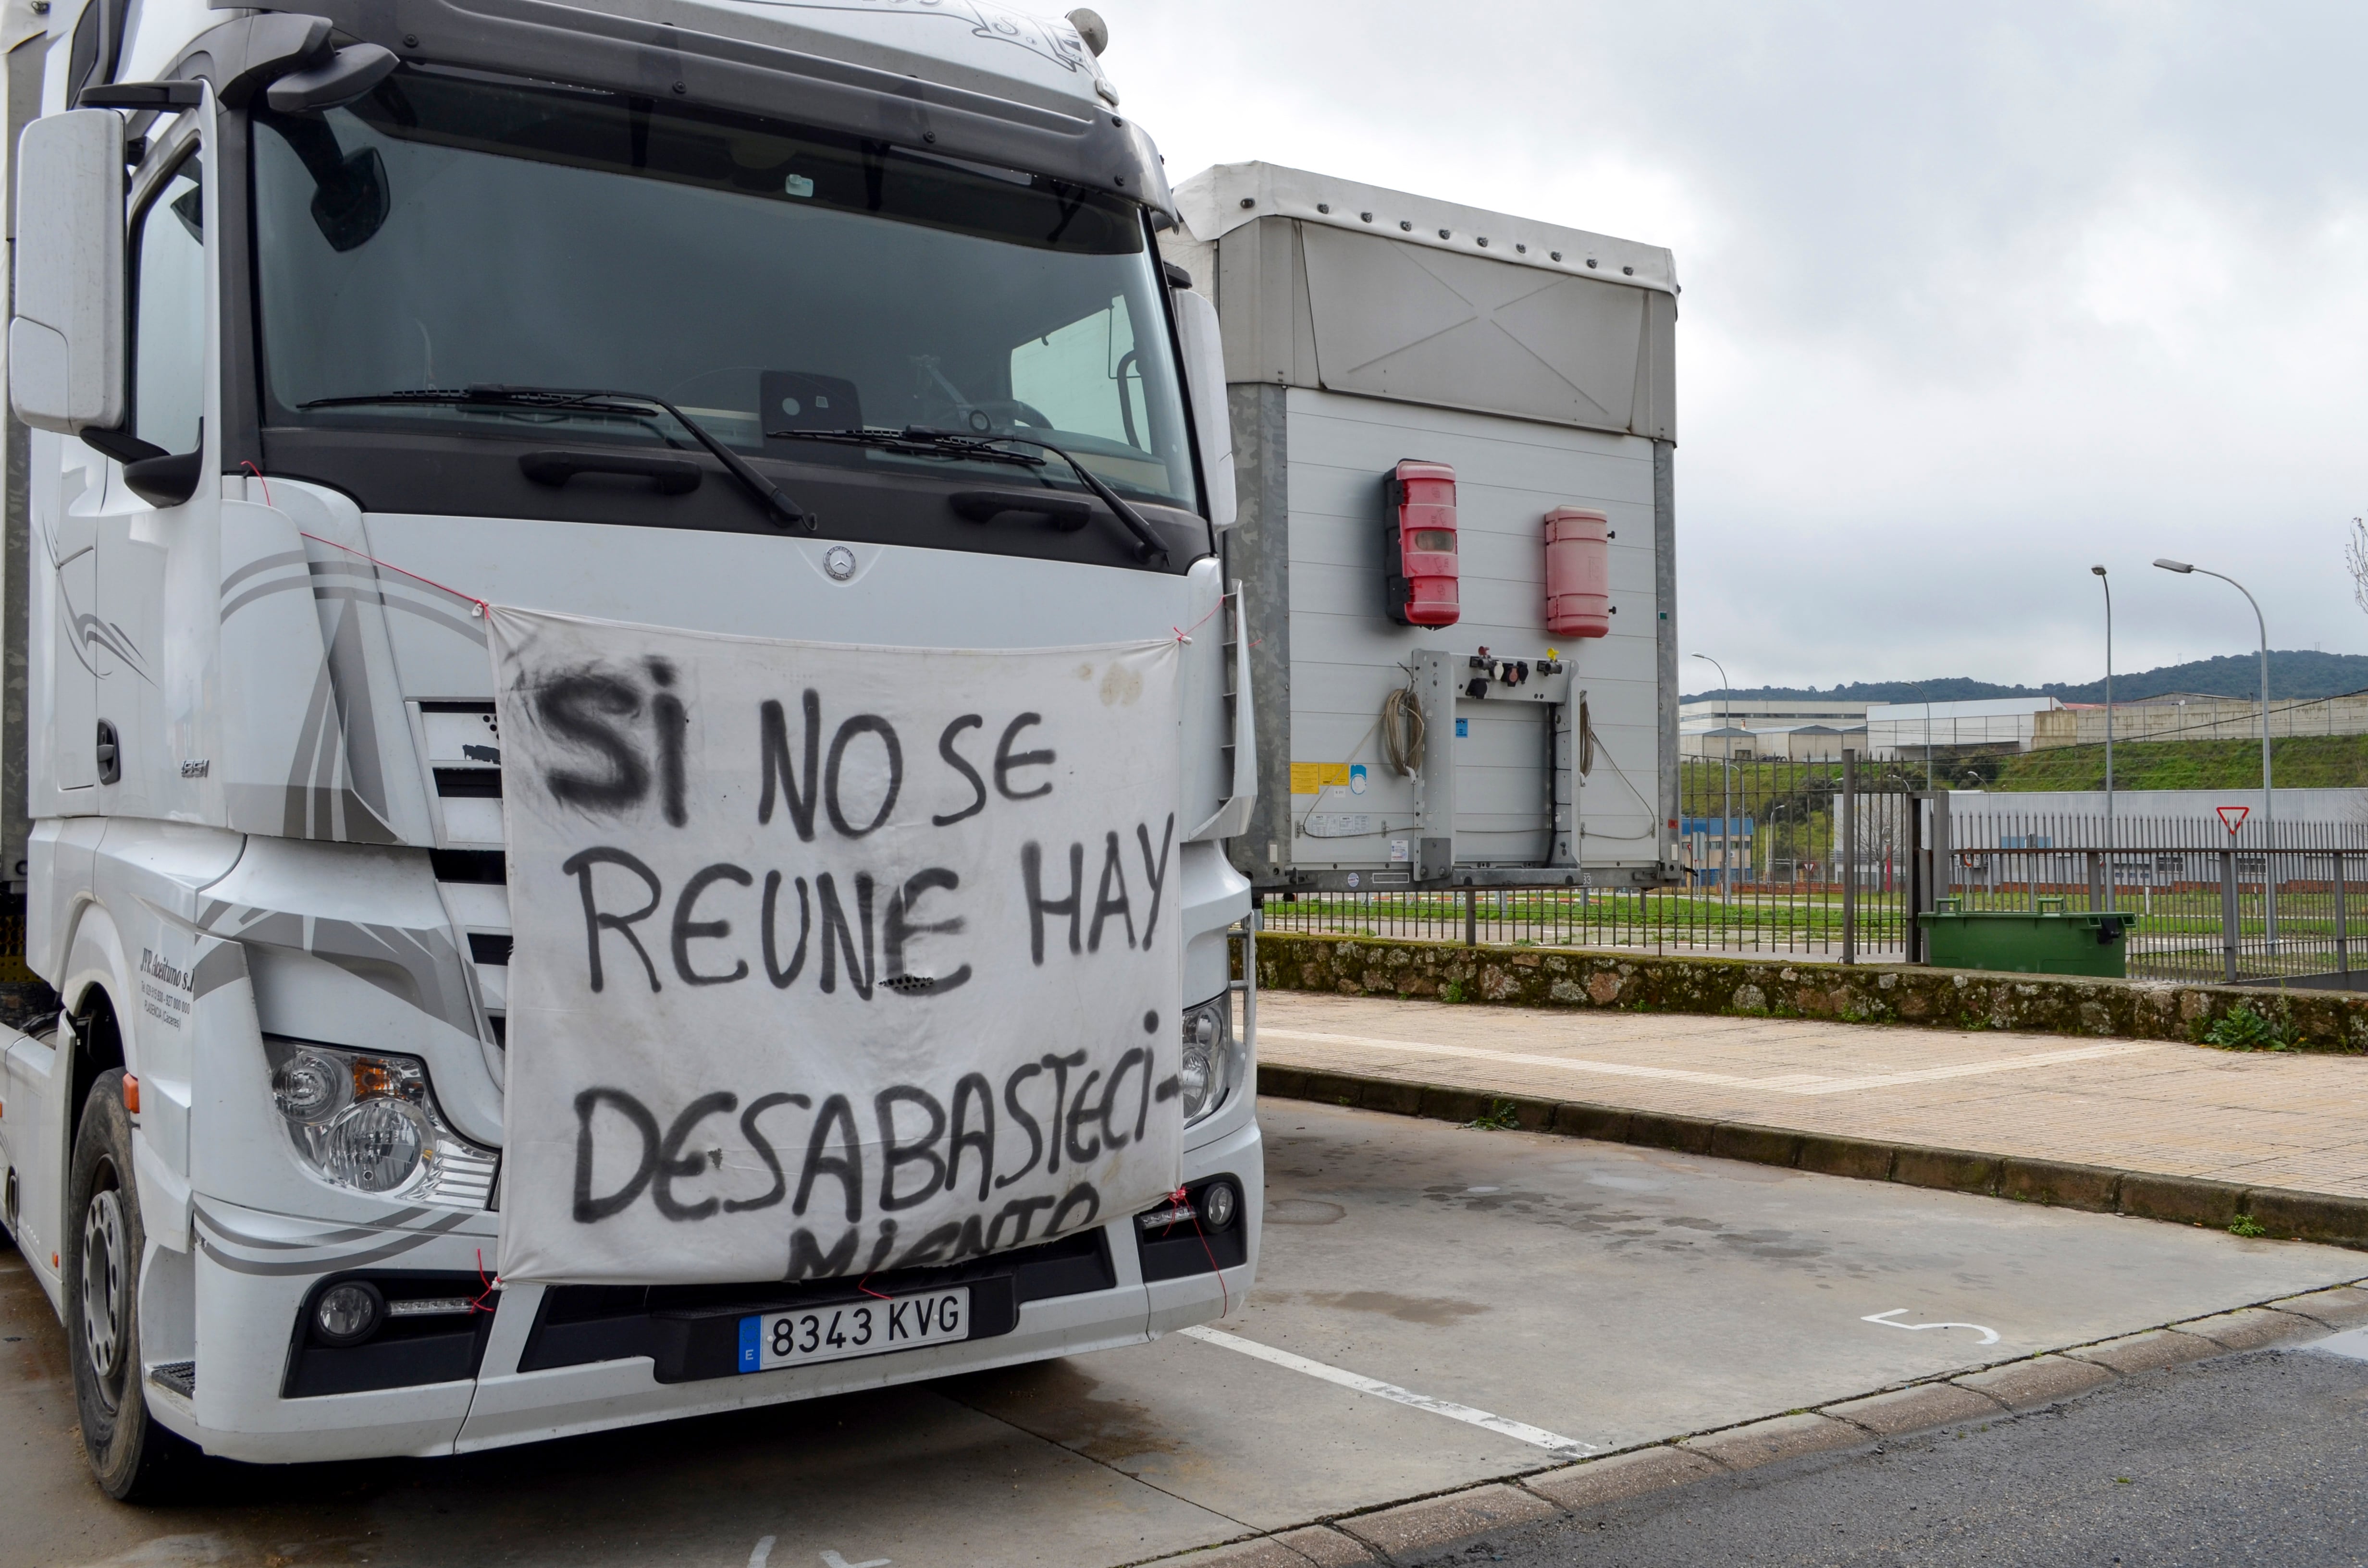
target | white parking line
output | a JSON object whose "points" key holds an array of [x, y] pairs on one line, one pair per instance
{"points": [[1780, 1083], [1520, 1431]]}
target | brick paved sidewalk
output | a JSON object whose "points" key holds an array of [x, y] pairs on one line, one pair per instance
{"points": [[2298, 1121]]}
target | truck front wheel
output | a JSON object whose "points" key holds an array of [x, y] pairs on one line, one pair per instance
{"points": [[134, 1456]]}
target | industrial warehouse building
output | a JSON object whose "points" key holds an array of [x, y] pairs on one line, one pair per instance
{"points": [[1988, 725], [1820, 730], [2187, 716], [1807, 729]]}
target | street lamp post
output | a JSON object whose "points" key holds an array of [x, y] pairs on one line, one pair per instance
{"points": [[1726, 823], [2268, 839], [2112, 893]]}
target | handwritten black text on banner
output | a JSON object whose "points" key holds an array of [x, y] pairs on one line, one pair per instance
{"points": [[830, 960]]}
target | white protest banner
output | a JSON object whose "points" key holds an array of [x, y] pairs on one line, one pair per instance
{"points": [[829, 960]]}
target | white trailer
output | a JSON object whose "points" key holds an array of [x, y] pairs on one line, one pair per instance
{"points": [[1365, 327], [327, 324]]}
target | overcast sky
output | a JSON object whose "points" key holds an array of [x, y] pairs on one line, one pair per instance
{"points": [[1975, 297]]}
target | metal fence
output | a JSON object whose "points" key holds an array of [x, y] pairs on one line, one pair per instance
{"points": [[2209, 903], [1808, 857], [1829, 861]]}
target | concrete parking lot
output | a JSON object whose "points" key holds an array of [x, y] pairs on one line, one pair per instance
{"points": [[1436, 1306]]}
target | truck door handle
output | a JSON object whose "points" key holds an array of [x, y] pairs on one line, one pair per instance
{"points": [[1066, 513], [673, 476], [111, 755]]}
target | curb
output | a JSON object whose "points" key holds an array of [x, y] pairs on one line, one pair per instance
{"points": [[2281, 1213], [1399, 1532]]}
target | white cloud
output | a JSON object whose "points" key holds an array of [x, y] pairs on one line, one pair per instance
{"points": [[1973, 298]]}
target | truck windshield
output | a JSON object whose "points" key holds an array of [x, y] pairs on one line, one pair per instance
{"points": [[770, 281]]}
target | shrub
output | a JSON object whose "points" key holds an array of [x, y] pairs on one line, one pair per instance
{"points": [[2242, 1029], [1502, 1117]]}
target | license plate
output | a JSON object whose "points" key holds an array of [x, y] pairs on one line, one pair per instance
{"points": [[770, 1340]]}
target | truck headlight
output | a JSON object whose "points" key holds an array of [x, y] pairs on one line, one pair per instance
{"points": [[1212, 1060], [370, 1123]]}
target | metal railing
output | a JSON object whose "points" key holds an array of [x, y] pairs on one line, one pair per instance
{"points": [[2208, 904], [1825, 860], [1774, 857]]}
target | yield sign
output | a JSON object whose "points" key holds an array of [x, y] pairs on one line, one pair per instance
{"points": [[2233, 817]]}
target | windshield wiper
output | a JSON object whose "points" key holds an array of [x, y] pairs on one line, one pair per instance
{"points": [[560, 400], [1150, 543], [911, 440], [954, 444]]}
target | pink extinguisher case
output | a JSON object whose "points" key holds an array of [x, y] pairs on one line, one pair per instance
{"points": [[1578, 573]]}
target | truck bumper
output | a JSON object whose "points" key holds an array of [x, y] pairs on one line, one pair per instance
{"points": [[256, 1271]]}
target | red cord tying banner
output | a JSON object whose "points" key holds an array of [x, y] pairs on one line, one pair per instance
{"points": [[489, 1285], [1184, 633], [481, 605], [1179, 1200]]}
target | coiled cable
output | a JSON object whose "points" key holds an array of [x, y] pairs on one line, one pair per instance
{"points": [[1403, 731]]}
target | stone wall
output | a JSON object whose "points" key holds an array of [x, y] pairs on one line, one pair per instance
{"points": [[1776, 988]]}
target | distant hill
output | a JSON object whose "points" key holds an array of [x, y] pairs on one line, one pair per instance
{"points": [[2297, 672]]}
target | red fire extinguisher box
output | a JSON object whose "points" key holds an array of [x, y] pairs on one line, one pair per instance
{"points": [[1578, 573], [1420, 571]]}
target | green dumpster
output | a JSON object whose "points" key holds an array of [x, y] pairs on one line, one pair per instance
{"points": [[2046, 940]]}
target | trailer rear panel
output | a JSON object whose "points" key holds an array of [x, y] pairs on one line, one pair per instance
{"points": [[1366, 328]]}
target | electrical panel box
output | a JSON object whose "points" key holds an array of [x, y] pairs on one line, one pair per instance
{"points": [[1513, 723]]}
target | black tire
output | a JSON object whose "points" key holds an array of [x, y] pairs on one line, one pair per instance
{"points": [[136, 1461]]}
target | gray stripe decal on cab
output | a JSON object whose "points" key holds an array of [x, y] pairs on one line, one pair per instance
{"points": [[325, 1238], [264, 564], [315, 1265], [217, 969], [376, 595]]}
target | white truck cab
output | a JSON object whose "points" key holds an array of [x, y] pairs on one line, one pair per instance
{"points": [[785, 320]]}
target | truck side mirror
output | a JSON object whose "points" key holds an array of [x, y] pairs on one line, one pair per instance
{"points": [[1204, 374], [66, 342]]}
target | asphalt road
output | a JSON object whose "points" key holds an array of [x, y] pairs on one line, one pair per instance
{"points": [[1539, 1297], [2246, 1460]]}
